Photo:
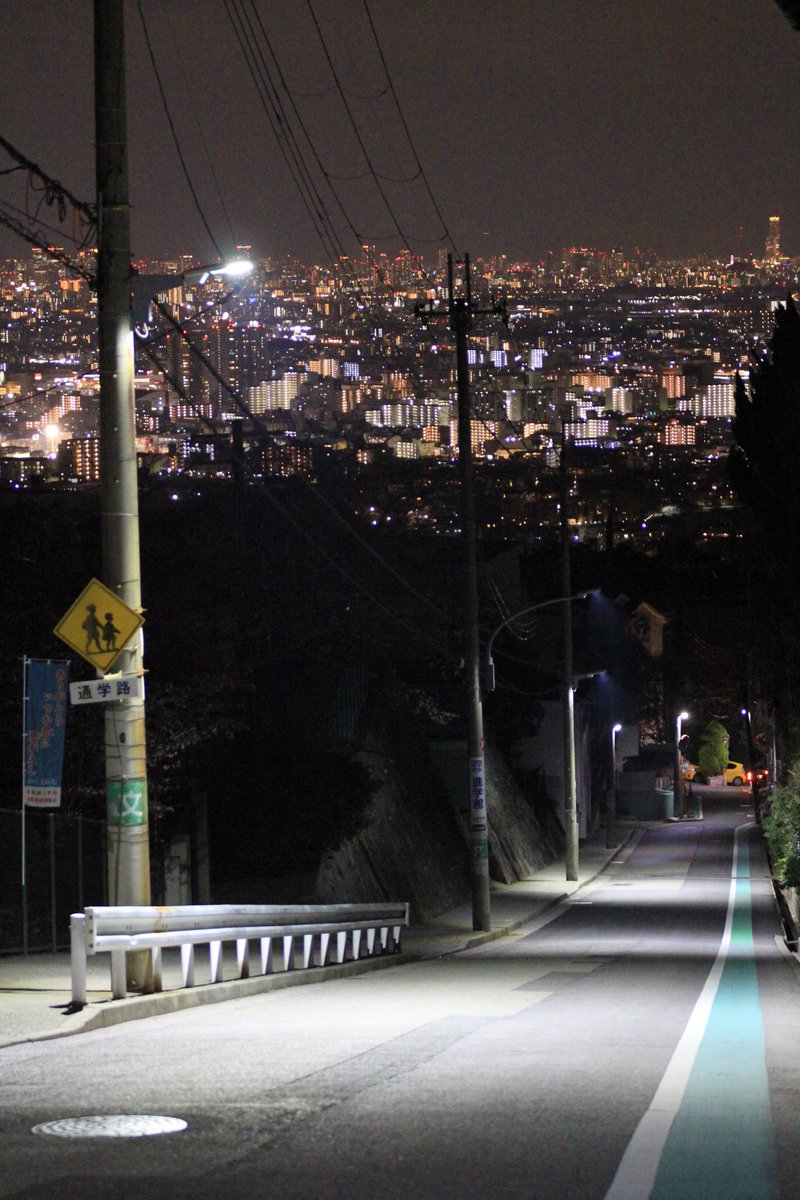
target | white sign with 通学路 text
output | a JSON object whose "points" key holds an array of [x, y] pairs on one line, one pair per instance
{"points": [[99, 691]]}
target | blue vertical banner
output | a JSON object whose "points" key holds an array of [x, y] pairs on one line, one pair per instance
{"points": [[45, 719]]}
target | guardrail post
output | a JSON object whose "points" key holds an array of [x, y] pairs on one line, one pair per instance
{"points": [[187, 964], [324, 948], [77, 955], [155, 981], [266, 955], [119, 978], [215, 960]]}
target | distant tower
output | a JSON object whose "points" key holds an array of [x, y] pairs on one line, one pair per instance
{"points": [[772, 246]]}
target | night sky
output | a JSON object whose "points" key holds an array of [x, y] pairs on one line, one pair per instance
{"points": [[669, 125]]}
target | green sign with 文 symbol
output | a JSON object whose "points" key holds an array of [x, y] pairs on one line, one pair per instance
{"points": [[126, 801]]}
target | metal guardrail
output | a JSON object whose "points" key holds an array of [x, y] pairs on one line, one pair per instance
{"points": [[309, 935]]}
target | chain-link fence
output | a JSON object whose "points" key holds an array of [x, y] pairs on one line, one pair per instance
{"points": [[65, 858]]}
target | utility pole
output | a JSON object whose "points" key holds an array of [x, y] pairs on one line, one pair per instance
{"points": [[126, 771], [570, 783], [462, 312], [461, 316]]}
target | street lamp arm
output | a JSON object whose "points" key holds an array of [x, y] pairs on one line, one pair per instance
{"points": [[145, 288], [524, 611]]}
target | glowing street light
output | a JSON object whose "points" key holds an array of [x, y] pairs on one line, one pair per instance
{"points": [[681, 717], [146, 287], [52, 433]]}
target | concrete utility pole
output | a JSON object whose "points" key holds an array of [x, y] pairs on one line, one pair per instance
{"points": [[126, 771], [461, 316], [462, 312], [571, 833]]}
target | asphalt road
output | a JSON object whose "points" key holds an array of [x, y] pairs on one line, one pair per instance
{"points": [[642, 1040]]}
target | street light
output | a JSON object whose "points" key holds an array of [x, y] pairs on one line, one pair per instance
{"points": [[611, 813], [146, 287], [570, 790], [571, 824], [751, 750], [488, 661], [681, 717]]}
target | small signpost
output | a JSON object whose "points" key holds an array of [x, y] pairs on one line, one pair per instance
{"points": [[98, 626], [109, 687]]}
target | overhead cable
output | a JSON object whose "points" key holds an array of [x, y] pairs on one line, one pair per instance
{"points": [[420, 169], [174, 131]]}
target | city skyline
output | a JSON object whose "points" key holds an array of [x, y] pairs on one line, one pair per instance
{"points": [[663, 126]]}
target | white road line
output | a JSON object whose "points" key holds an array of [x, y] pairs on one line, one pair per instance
{"points": [[638, 1167]]}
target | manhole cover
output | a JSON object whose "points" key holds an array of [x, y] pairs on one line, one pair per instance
{"points": [[116, 1125]]}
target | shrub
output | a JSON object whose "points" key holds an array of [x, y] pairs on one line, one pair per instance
{"points": [[713, 749], [782, 831]]}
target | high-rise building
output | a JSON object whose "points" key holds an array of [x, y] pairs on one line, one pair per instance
{"points": [[772, 246]]}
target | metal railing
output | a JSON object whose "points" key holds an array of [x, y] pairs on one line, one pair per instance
{"points": [[306, 935]]}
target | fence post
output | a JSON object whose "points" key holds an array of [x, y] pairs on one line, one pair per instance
{"points": [[53, 915]]}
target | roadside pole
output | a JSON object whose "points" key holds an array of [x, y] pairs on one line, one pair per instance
{"points": [[126, 773], [460, 311], [571, 832]]}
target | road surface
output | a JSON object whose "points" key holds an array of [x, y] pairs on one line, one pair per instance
{"points": [[642, 1040]]}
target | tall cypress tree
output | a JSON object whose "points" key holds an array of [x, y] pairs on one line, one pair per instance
{"points": [[765, 470]]}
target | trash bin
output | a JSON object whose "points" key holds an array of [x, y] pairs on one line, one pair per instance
{"points": [[666, 803], [694, 806]]}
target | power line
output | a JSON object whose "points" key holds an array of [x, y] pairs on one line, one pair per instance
{"points": [[174, 131], [420, 168], [198, 123], [55, 191], [356, 131]]}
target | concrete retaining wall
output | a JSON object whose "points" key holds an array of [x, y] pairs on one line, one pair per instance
{"points": [[415, 845]]}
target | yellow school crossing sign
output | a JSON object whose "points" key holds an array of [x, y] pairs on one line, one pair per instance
{"points": [[99, 625]]}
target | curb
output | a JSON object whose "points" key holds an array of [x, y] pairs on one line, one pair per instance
{"points": [[135, 1008]]}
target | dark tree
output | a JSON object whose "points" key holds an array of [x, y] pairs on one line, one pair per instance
{"points": [[792, 10], [765, 469]]}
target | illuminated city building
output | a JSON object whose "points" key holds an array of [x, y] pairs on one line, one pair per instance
{"points": [[718, 399], [282, 459], [678, 433], [79, 458], [772, 247], [673, 382], [277, 393], [619, 400], [407, 416]]}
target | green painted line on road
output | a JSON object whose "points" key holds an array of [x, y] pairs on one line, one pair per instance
{"points": [[707, 1132], [720, 1146]]}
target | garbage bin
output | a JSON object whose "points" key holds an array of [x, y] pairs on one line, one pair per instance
{"points": [[666, 803], [694, 806]]}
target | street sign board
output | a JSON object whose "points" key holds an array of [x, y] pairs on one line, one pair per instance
{"points": [[98, 625], [110, 687]]}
